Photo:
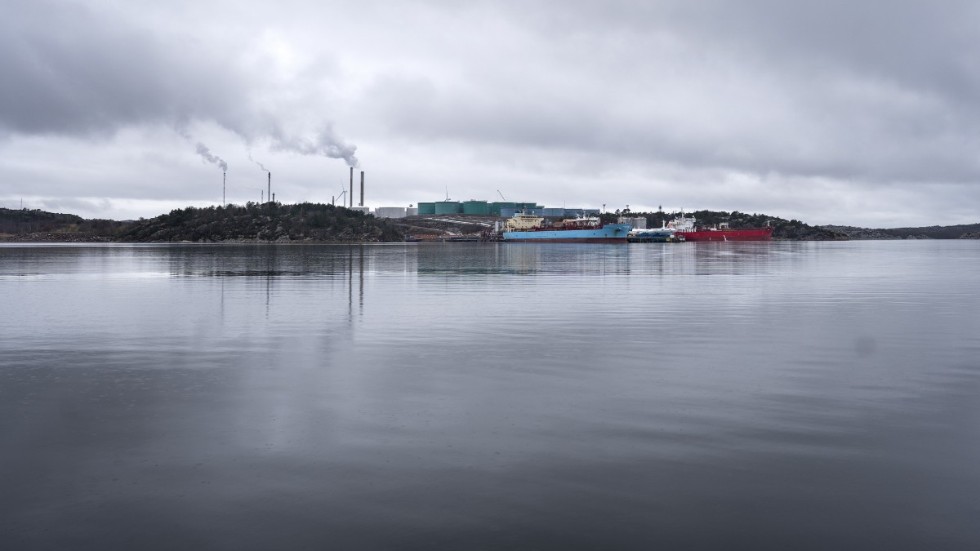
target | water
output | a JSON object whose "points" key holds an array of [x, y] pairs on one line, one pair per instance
{"points": [[479, 396]]}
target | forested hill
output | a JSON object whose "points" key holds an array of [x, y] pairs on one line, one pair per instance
{"points": [[39, 225], [966, 231], [312, 222]]}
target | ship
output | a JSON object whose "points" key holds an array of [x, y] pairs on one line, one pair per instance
{"points": [[662, 234], [656, 235], [528, 227], [686, 229]]}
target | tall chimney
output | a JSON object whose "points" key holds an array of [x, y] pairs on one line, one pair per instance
{"points": [[269, 193], [362, 188], [224, 180], [351, 188]]}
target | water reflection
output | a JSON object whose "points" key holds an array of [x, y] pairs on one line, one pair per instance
{"points": [[490, 396], [522, 258]]}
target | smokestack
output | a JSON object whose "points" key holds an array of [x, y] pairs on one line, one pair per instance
{"points": [[224, 180], [362, 188], [269, 193], [351, 188]]}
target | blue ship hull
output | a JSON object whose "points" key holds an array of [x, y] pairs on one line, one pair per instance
{"points": [[610, 233]]}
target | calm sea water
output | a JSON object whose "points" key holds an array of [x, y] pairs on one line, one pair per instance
{"points": [[480, 396]]}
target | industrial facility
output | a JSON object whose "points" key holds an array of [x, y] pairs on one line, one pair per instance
{"points": [[502, 209]]}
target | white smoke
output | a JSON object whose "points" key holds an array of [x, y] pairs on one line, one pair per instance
{"points": [[206, 154], [324, 143], [264, 169]]}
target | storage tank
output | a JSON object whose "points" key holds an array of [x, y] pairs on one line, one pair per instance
{"points": [[638, 222], [476, 208], [497, 205], [449, 207], [427, 208], [390, 212]]}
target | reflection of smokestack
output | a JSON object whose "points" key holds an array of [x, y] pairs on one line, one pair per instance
{"points": [[362, 188], [351, 188], [269, 193]]}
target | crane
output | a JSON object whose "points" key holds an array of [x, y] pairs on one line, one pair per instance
{"points": [[501, 195]]}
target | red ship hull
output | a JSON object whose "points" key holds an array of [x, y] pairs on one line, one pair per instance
{"points": [[749, 234]]}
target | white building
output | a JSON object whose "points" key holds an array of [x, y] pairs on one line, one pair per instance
{"points": [[390, 212]]}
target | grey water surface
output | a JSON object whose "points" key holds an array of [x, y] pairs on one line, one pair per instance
{"points": [[775, 395]]}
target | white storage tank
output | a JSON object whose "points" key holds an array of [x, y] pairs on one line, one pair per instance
{"points": [[390, 212], [638, 222]]}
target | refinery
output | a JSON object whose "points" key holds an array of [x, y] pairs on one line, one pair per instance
{"points": [[531, 222]]}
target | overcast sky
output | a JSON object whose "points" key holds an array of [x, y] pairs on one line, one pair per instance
{"points": [[861, 112]]}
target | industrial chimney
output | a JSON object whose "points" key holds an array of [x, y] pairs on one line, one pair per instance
{"points": [[351, 188], [224, 180], [269, 193], [362, 188]]}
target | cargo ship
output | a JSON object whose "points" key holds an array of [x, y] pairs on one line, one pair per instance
{"points": [[527, 227], [686, 229]]}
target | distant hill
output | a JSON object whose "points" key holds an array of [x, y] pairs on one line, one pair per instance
{"points": [[252, 222], [966, 231], [312, 222], [39, 225]]}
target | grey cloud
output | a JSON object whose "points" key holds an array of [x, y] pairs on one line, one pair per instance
{"points": [[70, 70], [73, 69], [873, 95], [838, 89]]}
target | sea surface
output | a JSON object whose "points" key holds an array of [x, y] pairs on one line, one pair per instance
{"points": [[779, 395]]}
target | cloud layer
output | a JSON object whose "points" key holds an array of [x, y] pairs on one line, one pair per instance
{"points": [[832, 112]]}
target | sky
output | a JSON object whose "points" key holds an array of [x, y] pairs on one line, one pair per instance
{"points": [[864, 112]]}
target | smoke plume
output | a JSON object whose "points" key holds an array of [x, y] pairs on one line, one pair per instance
{"points": [[206, 154], [324, 143], [264, 169]]}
